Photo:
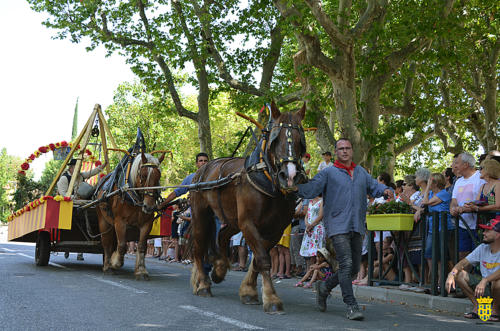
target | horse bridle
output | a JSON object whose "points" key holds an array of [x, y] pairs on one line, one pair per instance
{"points": [[290, 157], [151, 193]]}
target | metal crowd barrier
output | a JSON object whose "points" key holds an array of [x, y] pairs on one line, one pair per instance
{"points": [[401, 253]]}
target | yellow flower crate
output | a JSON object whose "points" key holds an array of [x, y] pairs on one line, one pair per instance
{"points": [[389, 222]]}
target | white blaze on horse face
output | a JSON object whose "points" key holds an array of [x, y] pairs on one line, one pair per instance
{"points": [[292, 171]]}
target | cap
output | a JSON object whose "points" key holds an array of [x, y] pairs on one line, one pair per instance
{"points": [[493, 224], [327, 153], [72, 162], [307, 155]]}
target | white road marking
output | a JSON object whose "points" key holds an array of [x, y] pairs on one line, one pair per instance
{"points": [[239, 324], [51, 263], [110, 282], [9, 250]]}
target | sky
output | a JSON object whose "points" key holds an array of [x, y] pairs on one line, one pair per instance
{"points": [[41, 79]]}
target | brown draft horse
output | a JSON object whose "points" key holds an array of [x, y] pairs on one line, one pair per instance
{"points": [[242, 207], [118, 213]]}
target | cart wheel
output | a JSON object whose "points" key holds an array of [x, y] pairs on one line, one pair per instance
{"points": [[42, 250]]}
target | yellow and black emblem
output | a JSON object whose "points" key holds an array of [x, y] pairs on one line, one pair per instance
{"points": [[484, 309]]}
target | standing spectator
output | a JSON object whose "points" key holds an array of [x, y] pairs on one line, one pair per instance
{"points": [[327, 157], [486, 199], [157, 248], [487, 256], [438, 200], [298, 228], [284, 254], [314, 236], [242, 251], [185, 219], [399, 189], [175, 234], [421, 177], [344, 187], [305, 163], [450, 180], [466, 189], [275, 262]]}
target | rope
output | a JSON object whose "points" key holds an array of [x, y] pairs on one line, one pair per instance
{"points": [[89, 232]]}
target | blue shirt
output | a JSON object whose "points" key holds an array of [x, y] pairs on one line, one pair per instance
{"points": [[445, 197], [344, 199], [183, 190]]}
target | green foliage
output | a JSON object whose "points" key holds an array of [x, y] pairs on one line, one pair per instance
{"points": [[48, 175], [27, 190], [8, 170], [391, 207]]}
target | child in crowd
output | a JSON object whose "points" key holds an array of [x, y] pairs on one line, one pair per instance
{"points": [[317, 271]]}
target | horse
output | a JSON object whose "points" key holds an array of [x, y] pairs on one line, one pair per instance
{"points": [[138, 211], [242, 205]]}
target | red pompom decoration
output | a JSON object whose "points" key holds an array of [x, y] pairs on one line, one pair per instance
{"points": [[64, 143], [32, 156], [52, 147], [97, 163], [88, 152], [43, 149], [25, 166], [21, 172]]}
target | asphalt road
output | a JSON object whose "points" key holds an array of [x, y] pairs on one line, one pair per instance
{"points": [[75, 295]]}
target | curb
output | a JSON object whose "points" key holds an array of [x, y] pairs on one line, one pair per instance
{"points": [[448, 304]]}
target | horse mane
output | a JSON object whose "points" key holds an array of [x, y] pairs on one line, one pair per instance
{"points": [[134, 169]]}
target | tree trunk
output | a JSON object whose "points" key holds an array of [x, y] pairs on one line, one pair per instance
{"points": [[204, 134], [491, 116]]}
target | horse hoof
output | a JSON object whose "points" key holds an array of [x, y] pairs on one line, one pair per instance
{"points": [[204, 292], [216, 279], [250, 300], [274, 308], [142, 276]]}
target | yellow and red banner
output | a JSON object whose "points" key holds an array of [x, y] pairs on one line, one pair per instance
{"points": [[162, 225], [45, 213]]}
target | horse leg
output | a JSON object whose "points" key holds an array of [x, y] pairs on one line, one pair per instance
{"points": [[201, 230], [272, 303], [221, 263], [248, 288], [140, 261], [107, 242], [262, 264], [121, 247]]}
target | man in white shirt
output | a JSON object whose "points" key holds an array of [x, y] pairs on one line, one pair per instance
{"points": [[466, 189], [487, 256], [327, 157]]}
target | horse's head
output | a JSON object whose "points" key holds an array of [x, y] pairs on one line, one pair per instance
{"points": [[145, 172], [286, 145]]}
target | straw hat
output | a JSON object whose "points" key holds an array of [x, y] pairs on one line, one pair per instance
{"points": [[325, 253]]}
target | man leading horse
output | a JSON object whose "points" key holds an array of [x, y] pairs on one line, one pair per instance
{"points": [[345, 187]]}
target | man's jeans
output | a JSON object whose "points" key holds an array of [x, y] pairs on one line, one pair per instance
{"points": [[348, 249]]}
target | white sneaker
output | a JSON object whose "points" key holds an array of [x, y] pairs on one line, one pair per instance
{"points": [[404, 287]]}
